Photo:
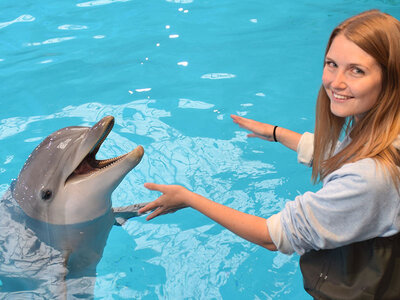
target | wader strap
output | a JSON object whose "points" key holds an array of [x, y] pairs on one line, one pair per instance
{"points": [[364, 270]]}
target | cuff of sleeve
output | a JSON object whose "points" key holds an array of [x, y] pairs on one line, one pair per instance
{"points": [[277, 234], [305, 149]]}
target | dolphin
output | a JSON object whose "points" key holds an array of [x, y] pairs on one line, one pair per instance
{"points": [[56, 216]]}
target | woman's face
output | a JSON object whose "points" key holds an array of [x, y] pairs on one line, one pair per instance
{"points": [[352, 79]]}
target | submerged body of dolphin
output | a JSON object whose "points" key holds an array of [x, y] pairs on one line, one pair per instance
{"points": [[56, 217]]}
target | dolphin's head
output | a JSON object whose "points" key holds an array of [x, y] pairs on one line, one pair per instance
{"points": [[62, 182]]}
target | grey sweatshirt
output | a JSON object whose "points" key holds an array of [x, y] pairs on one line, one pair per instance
{"points": [[356, 202]]}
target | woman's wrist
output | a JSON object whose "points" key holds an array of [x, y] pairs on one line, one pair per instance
{"points": [[187, 197], [274, 134]]}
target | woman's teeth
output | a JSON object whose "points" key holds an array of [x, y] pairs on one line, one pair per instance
{"points": [[341, 97]]}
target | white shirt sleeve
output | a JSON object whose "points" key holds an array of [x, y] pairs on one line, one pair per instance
{"points": [[305, 149], [277, 234]]}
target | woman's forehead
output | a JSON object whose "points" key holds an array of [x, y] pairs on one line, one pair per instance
{"points": [[347, 52]]}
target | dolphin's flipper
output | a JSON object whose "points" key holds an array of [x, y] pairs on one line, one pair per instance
{"points": [[124, 213]]}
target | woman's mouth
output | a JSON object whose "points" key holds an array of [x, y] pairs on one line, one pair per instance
{"points": [[340, 98]]}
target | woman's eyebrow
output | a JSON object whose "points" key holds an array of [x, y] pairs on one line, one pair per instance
{"points": [[327, 58], [359, 66]]}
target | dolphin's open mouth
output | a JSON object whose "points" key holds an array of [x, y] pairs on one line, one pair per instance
{"points": [[90, 164]]}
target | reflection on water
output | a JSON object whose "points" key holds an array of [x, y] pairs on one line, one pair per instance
{"points": [[39, 260], [27, 265]]}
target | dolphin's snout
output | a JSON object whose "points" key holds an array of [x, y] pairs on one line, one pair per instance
{"points": [[140, 150], [135, 156]]}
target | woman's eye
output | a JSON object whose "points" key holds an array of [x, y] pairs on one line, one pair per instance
{"points": [[358, 71], [330, 64]]}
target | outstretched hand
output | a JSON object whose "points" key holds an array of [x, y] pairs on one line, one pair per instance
{"points": [[258, 129], [173, 198]]}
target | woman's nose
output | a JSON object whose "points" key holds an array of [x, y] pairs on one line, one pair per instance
{"points": [[338, 80]]}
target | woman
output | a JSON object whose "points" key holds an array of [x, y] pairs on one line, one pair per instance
{"points": [[347, 233]]}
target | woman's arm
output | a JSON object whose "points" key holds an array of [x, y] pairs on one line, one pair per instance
{"points": [[174, 197], [265, 131]]}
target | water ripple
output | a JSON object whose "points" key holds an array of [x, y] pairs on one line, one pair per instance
{"points": [[72, 27], [218, 76], [180, 1], [52, 41], [99, 2], [20, 19], [186, 103]]}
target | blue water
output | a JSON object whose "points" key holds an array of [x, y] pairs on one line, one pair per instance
{"points": [[171, 72]]}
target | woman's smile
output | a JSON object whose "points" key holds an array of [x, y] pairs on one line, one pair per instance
{"points": [[339, 97]]}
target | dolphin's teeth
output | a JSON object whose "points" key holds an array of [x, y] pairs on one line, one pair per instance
{"points": [[108, 162], [90, 165]]}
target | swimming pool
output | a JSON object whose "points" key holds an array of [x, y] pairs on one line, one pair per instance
{"points": [[171, 72]]}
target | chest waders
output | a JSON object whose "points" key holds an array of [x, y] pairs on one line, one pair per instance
{"points": [[364, 270]]}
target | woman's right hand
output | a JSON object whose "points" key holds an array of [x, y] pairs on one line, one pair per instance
{"points": [[258, 129], [173, 198]]}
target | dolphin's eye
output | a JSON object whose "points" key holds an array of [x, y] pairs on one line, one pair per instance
{"points": [[46, 194]]}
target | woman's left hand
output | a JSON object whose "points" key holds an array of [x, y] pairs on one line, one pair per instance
{"points": [[261, 130]]}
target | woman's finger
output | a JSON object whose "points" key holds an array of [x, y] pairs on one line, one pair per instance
{"points": [[155, 213], [154, 187], [240, 120], [146, 208], [248, 124], [152, 205], [235, 118]]}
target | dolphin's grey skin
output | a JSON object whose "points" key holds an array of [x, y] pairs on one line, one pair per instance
{"points": [[56, 217]]}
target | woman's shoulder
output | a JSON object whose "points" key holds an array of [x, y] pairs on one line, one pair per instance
{"points": [[367, 172]]}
